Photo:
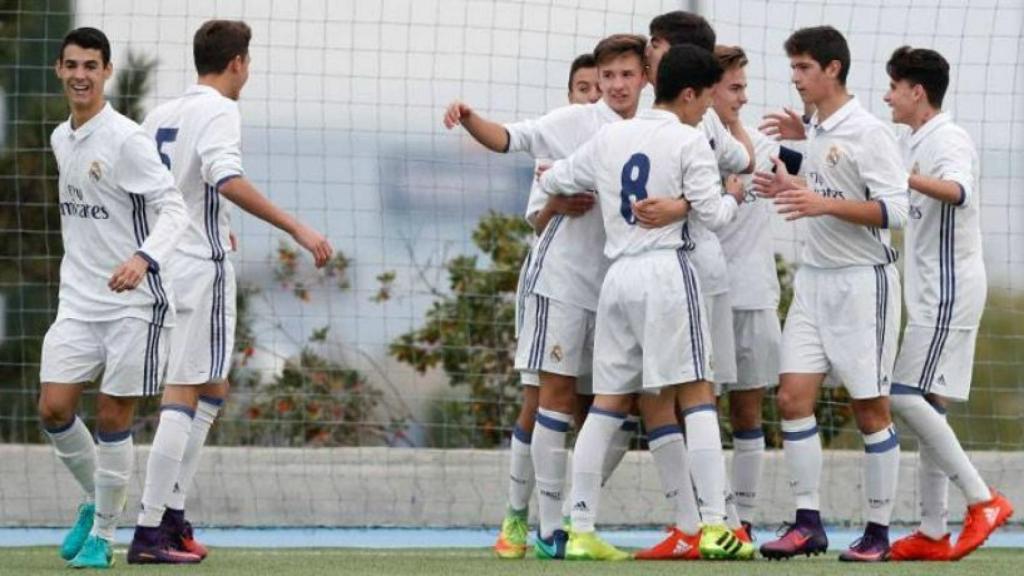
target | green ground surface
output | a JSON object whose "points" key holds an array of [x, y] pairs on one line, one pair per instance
{"points": [[377, 562]]}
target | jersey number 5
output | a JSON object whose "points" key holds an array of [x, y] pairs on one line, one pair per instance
{"points": [[634, 184], [163, 136]]}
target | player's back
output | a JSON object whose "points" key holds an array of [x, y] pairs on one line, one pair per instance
{"points": [[198, 136]]}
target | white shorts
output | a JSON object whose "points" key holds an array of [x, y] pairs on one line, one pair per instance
{"points": [[650, 321], [130, 353], [844, 321], [758, 337], [203, 338], [723, 339], [555, 337], [584, 382], [937, 362]]}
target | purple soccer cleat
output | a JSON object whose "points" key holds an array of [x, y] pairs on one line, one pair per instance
{"points": [[807, 538], [153, 546], [873, 546]]}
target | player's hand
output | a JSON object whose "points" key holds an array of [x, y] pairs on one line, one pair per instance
{"points": [[801, 203], [129, 274], [769, 185], [455, 112], [316, 243], [575, 205], [540, 169], [233, 240], [785, 125], [734, 187], [658, 212]]}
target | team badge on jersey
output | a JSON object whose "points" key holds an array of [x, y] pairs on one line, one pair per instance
{"points": [[834, 155], [95, 172], [556, 353]]}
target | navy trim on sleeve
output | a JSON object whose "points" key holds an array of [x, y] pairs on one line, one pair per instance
{"points": [[225, 179], [963, 195], [508, 141], [153, 264], [885, 214]]}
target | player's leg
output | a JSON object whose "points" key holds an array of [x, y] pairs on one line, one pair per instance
{"points": [[511, 541], [748, 454]]}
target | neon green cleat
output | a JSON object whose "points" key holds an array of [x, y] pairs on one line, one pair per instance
{"points": [[511, 544], [590, 546], [95, 553], [74, 539], [717, 542]]}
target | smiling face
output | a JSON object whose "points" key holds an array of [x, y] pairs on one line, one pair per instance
{"points": [[656, 48], [731, 94], [83, 76], [903, 98], [621, 79]]}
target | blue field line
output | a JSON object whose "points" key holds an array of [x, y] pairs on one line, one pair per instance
{"points": [[839, 538]]}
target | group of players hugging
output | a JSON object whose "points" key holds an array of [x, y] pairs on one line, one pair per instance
{"points": [[679, 307], [682, 305]]}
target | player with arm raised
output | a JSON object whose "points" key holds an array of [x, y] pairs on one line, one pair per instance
{"points": [[566, 270], [121, 217], [846, 307], [945, 297], [651, 326], [199, 139], [511, 543]]}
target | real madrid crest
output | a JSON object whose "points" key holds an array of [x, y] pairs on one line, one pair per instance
{"points": [[94, 171], [556, 353], [834, 155]]}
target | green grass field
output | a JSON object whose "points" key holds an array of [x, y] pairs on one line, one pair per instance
{"points": [[333, 561]]}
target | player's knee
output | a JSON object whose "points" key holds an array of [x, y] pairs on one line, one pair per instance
{"points": [[793, 405], [53, 413], [872, 415]]}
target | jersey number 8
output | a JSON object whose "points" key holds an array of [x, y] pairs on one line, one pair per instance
{"points": [[634, 185]]}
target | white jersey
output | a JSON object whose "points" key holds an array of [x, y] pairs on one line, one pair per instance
{"points": [[199, 139], [653, 155], [747, 241], [945, 271], [707, 257], [566, 266], [854, 156], [116, 199]]}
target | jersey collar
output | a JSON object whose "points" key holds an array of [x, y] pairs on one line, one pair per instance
{"points": [[93, 124], [930, 126], [202, 89], [844, 112], [657, 114], [606, 111]]}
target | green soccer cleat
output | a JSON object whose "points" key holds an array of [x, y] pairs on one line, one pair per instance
{"points": [[718, 542], [511, 544], [590, 546], [95, 553], [75, 537]]}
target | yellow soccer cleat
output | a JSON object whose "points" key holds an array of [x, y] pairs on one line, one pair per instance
{"points": [[718, 542], [511, 544], [590, 546]]}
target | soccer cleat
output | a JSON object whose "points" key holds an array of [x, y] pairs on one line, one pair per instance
{"points": [[76, 537], [551, 548], [981, 521], [95, 553], [154, 546], [590, 546], [796, 540], [678, 545], [867, 548], [717, 542], [744, 533], [918, 546], [180, 533], [511, 543]]}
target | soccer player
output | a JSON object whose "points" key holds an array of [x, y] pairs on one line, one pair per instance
{"points": [[199, 139], [566, 270], [121, 216], [846, 310], [650, 319], [945, 297], [511, 543]]}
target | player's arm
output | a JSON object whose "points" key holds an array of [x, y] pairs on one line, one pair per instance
{"points": [[490, 134], [572, 206], [741, 149], [139, 171], [702, 187], [954, 183], [575, 174]]}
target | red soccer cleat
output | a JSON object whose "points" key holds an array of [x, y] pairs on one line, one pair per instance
{"points": [[743, 533], [981, 521], [919, 546], [678, 545]]}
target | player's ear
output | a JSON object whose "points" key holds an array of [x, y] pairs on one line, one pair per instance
{"points": [[833, 68]]}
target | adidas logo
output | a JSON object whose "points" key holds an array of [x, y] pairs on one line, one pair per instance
{"points": [[681, 548], [581, 506], [991, 514]]}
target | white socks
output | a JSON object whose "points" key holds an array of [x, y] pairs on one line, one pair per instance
{"points": [[164, 464], [934, 491], [591, 446], [881, 470], [549, 463], [206, 412], [747, 460], [802, 447], [704, 443], [76, 449], [668, 450], [520, 465], [114, 455], [619, 446]]}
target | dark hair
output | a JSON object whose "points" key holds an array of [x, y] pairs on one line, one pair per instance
{"points": [[681, 27], [217, 43], [685, 66], [921, 66], [90, 38], [730, 57], [823, 44], [581, 61], [618, 44]]}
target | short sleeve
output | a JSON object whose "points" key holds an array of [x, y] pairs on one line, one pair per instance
{"points": [[219, 146]]}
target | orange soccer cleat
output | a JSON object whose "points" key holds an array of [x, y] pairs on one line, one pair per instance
{"points": [[678, 545], [981, 521], [743, 533], [919, 546]]}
